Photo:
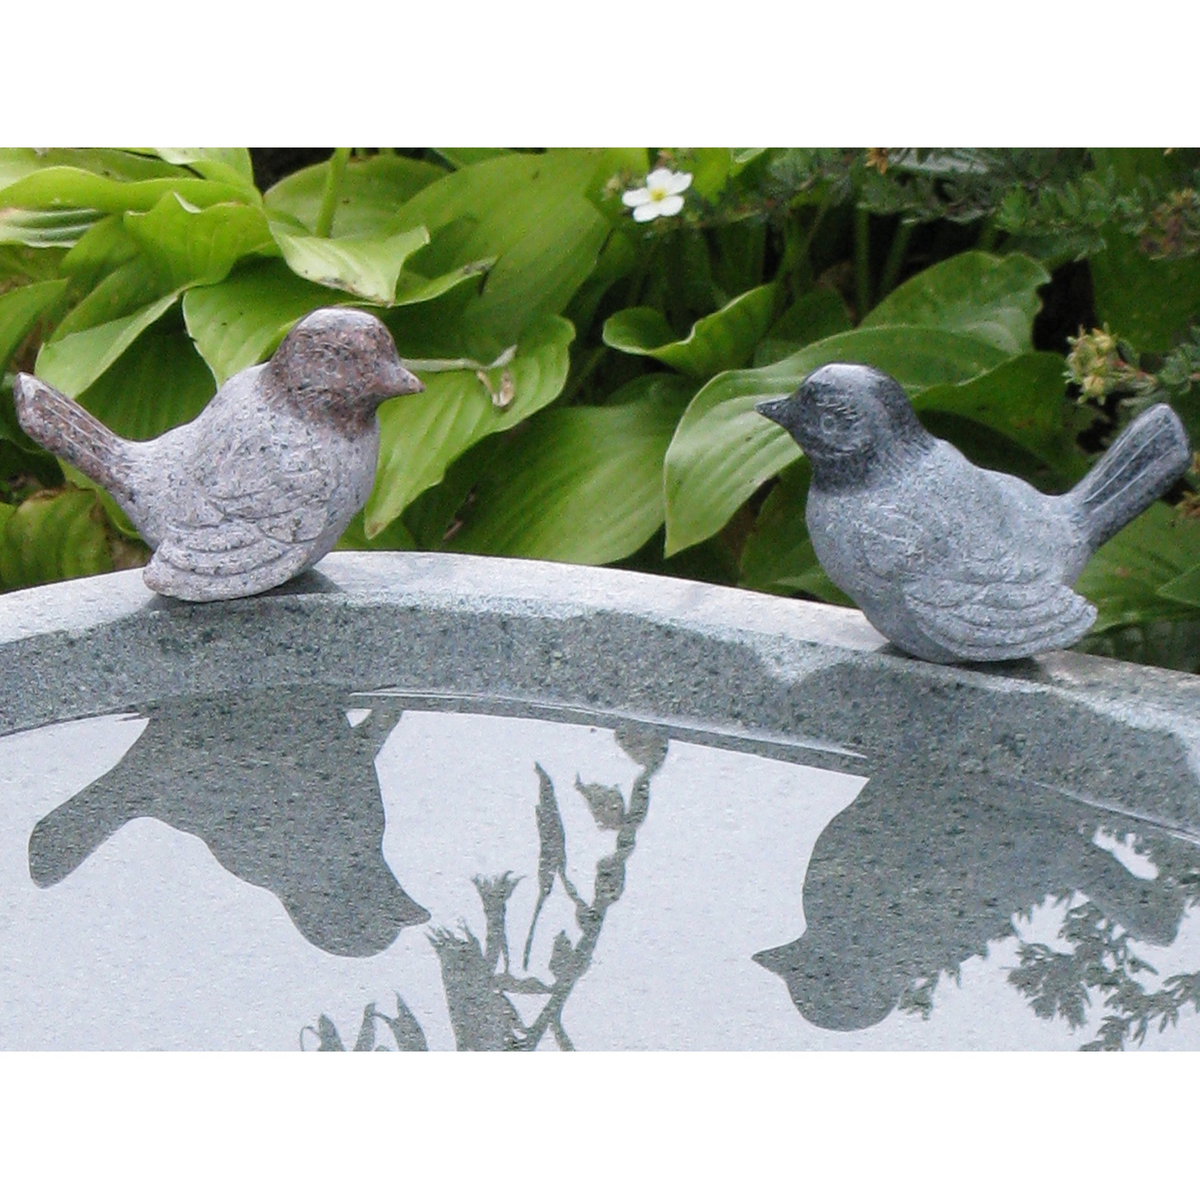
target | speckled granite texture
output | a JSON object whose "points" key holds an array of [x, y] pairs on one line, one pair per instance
{"points": [[1115, 736]]}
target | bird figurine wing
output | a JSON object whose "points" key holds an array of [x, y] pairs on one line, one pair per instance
{"points": [[236, 523], [994, 608]]}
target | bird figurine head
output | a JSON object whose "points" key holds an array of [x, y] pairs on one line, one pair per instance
{"points": [[847, 417], [341, 362]]}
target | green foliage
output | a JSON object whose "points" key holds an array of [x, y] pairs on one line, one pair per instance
{"points": [[590, 380]]}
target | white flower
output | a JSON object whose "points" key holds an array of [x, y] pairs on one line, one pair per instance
{"points": [[660, 197]]}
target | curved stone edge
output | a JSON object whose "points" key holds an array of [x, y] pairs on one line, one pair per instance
{"points": [[596, 638]]}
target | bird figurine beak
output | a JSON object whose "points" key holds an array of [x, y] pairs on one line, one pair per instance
{"points": [[402, 382], [773, 409]]}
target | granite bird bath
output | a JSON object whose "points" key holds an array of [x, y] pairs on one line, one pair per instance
{"points": [[439, 801]]}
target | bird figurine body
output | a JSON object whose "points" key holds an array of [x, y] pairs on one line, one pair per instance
{"points": [[265, 480], [949, 561]]}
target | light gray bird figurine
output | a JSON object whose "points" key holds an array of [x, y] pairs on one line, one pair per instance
{"points": [[949, 561], [265, 480]]}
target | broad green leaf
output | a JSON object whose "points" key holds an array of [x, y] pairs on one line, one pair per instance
{"points": [[31, 264], [580, 484], [529, 212], [103, 248], [70, 188], [76, 361], [1024, 399], [63, 227], [394, 537], [160, 382], [119, 165], [1130, 578], [470, 156], [1150, 302], [365, 266], [120, 293], [815, 315], [52, 537], [371, 194], [723, 450], [710, 170], [416, 289], [197, 246], [990, 298], [422, 434], [231, 166], [20, 308], [241, 320], [722, 341], [1185, 589], [778, 556]]}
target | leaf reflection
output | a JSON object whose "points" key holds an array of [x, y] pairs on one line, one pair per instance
{"points": [[477, 987]]}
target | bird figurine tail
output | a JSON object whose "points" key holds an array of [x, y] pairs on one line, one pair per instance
{"points": [[1139, 466], [74, 434]]}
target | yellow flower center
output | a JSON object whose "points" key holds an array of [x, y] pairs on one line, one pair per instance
{"points": [[657, 193]]}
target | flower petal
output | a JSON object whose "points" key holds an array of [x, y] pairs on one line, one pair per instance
{"points": [[647, 212], [670, 205], [660, 179], [639, 195], [679, 183]]}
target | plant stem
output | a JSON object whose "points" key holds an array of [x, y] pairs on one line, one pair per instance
{"points": [[862, 261], [895, 258], [333, 184], [988, 235]]}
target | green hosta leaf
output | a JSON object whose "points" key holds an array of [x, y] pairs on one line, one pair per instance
{"points": [[365, 266], [778, 555], [75, 362], [103, 248], [62, 187], [529, 212], [160, 382], [370, 196], [120, 293], [1148, 301], [63, 227], [185, 245], [992, 299], [723, 450], [1131, 579], [241, 320], [122, 166], [52, 537], [724, 340], [232, 166], [20, 308], [815, 315], [416, 289], [1185, 589], [580, 484], [1024, 400], [470, 156], [395, 537], [423, 434]]}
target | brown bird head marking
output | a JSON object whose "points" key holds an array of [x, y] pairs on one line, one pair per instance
{"points": [[341, 363]]}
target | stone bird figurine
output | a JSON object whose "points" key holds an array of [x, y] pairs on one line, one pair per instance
{"points": [[265, 480], [949, 561]]}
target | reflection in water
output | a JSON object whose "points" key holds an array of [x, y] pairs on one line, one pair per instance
{"points": [[477, 987], [281, 789], [923, 871], [963, 840]]}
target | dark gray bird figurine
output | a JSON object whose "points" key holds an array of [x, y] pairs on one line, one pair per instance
{"points": [[265, 480], [949, 561]]}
